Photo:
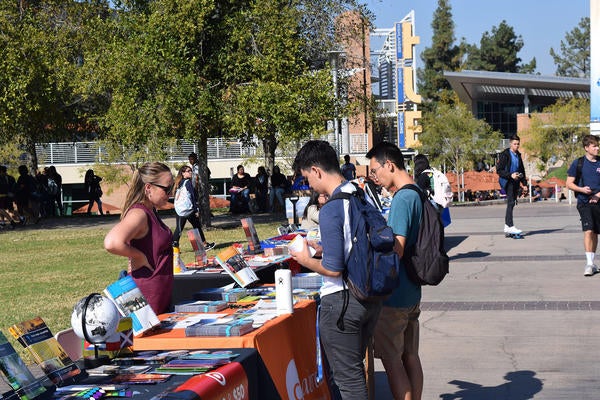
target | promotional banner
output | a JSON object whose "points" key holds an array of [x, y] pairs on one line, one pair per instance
{"points": [[290, 355], [228, 382]]}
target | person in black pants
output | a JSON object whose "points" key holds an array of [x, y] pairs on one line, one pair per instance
{"points": [[184, 178], [512, 175]]}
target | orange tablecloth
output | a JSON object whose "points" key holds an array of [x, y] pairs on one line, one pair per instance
{"points": [[286, 344]]}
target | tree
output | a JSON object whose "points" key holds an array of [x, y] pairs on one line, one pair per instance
{"points": [[453, 137], [574, 57], [161, 71], [554, 135], [273, 94], [38, 49], [498, 51], [443, 55]]}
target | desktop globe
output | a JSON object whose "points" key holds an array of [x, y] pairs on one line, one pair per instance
{"points": [[101, 318]]}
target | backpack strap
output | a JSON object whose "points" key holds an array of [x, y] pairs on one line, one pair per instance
{"points": [[345, 295], [578, 170], [415, 188]]}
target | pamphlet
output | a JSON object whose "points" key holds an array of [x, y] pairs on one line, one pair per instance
{"points": [[20, 379], [234, 264], [198, 246], [131, 303], [251, 236], [37, 338]]}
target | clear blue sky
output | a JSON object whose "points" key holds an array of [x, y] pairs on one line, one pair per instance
{"points": [[541, 23]]}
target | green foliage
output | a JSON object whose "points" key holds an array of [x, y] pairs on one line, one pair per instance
{"points": [[453, 137], [560, 173], [498, 51], [443, 55], [557, 137], [47, 276], [273, 95], [574, 56]]}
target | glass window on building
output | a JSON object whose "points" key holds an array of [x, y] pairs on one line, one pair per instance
{"points": [[500, 116]]}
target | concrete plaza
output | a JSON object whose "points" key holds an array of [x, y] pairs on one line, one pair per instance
{"points": [[514, 319]]}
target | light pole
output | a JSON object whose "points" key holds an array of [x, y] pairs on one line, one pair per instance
{"points": [[334, 56]]}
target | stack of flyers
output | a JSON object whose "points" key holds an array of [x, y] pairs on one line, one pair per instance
{"points": [[191, 366], [149, 358], [140, 379], [107, 370], [210, 355], [234, 295], [201, 306], [220, 327]]}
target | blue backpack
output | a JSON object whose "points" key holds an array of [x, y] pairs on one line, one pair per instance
{"points": [[372, 267]]}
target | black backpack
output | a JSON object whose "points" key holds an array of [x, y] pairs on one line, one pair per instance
{"points": [[426, 261]]}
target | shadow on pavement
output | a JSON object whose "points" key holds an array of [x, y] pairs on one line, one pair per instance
{"points": [[453, 241], [521, 385], [541, 232], [470, 254]]}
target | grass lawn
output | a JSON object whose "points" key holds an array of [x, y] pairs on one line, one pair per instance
{"points": [[44, 272]]}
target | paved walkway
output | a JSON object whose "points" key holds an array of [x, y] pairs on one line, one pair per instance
{"points": [[515, 319]]}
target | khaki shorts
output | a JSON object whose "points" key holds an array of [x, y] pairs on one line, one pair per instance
{"points": [[397, 332]]}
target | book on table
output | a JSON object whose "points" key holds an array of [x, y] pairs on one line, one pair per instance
{"points": [[234, 264], [228, 326], [198, 247], [45, 350], [251, 236], [131, 303], [19, 377]]}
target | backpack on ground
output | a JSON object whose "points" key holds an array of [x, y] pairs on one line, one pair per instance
{"points": [[426, 261], [372, 267], [183, 202], [441, 192]]}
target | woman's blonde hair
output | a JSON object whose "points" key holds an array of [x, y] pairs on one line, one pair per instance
{"points": [[147, 173]]}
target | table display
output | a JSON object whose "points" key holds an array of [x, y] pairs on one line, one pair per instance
{"points": [[286, 345]]}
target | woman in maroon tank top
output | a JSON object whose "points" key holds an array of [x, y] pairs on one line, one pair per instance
{"points": [[143, 238]]}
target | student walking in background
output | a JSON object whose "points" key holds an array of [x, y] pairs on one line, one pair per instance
{"points": [[143, 237], [512, 175], [93, 190], [183, 187], [348, 169], [583, 177]]}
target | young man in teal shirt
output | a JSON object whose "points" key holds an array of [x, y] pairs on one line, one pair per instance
{"points": [[397, 330]]}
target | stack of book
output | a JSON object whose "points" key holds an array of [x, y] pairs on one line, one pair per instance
{"points": [[201, 306], [220, 327]]}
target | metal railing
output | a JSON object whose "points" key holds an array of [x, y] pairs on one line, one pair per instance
{"points": [[217, 148]]}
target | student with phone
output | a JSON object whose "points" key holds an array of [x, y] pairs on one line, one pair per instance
{"points": [[511, 171]]}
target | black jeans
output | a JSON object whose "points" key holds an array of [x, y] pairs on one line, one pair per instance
{"points": [[180, 223], [512, 193]]}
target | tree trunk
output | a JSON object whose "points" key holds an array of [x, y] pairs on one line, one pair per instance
{"points": [[30, 145], [269, 147], [204, 184]]}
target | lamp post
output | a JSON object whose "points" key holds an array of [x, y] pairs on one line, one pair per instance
{"points": [[334, 56]]}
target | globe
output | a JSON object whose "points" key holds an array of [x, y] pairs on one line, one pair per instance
{"points": [[101, 318]]}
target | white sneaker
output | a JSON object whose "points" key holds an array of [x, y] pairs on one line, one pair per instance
{"points": [[590, 270], [513, 230], [506, 228]]}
